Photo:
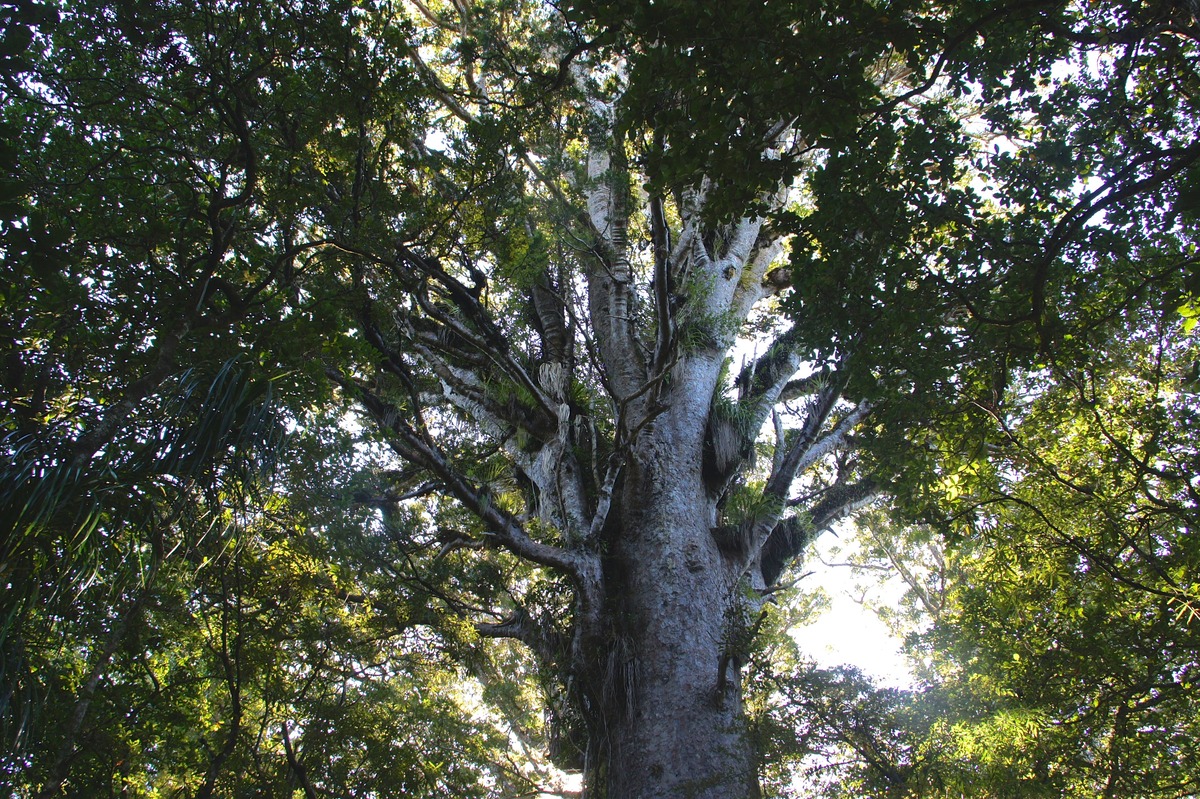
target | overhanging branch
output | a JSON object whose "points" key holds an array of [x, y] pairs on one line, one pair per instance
{"points": [[417, 447]]}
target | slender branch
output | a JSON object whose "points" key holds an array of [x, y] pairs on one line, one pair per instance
{"points": [[294, 764], [664, 315], [1096, 201], [440, 89], [67, 751], [95, 437], [604, 497]]}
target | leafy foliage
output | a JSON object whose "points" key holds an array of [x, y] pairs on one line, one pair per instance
{"points": [[485, 265], [1052, 599]]}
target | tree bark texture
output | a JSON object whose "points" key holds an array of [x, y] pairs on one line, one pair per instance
{"points": [[672, 724], [677, 728]]}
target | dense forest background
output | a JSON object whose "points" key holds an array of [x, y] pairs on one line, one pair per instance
{"points": [[339, 337]]}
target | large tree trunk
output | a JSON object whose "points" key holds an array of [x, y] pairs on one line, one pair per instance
{"points": [[681, 732], [674, 727]]}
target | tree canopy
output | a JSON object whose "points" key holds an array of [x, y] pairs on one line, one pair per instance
{"points": [[422, 398]]}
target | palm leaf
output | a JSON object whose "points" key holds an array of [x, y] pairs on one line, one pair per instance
{"points": [[65, 526]]}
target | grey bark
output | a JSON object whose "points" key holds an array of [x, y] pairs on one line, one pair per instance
{"points": [[674, 720]]}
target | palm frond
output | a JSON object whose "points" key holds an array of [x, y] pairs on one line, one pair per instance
{"points": [[210, 440]]}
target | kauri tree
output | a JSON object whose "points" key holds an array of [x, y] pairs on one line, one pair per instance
{"points": [[637, 297]]}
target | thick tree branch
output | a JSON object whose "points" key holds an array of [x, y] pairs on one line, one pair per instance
{"points": [[758, 281], [612, 300], [520, 626], [550, 319], [833, 439], [791, 535], [800, 442]]}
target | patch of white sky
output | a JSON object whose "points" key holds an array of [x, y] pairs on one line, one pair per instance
{"points": [[849, 632]]}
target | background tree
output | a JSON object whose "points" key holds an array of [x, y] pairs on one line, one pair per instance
{"points": [[637, 311], [1051, 599], [166, 627]]}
